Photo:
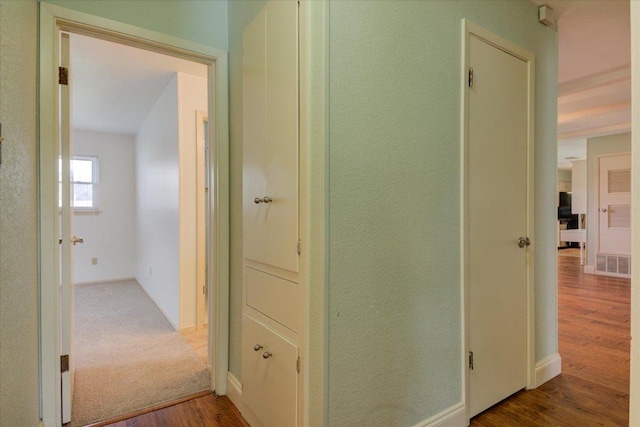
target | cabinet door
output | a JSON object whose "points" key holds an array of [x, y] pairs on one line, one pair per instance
{"points": [[281, 155], [254, 121], [269, 375], [270, 98]]}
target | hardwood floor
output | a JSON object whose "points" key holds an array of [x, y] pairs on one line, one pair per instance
{"points": [[593, 390], [594, 334], [205, 411], [198, 340]]}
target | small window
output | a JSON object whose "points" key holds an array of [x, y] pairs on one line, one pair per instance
{"points": [[84, 178]]}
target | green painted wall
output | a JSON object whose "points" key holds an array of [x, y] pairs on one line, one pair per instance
{"points": [[609, 144], [394, 202], [19, 393], [203, 22]]}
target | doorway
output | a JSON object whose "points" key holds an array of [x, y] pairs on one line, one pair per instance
{"points": [[140, 214], [498, 144], [54, 20]]}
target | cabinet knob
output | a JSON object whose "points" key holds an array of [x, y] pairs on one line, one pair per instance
{"points": [[266, 355], [267, 199], [257, 347], [257, 200]]}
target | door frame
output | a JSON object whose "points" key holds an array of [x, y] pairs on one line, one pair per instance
{"points": [[468, 30], [54, 19]]}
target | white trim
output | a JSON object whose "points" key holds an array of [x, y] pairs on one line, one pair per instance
{"points": [[468, 29], [52, 20], [589, 269], [159, 307], [235, 395], [548, 368], [122, 279], [453, 416], [634, 395]]}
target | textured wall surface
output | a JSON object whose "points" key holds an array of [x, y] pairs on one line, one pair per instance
{"points": [[596, 147], [394, 202], [240, 14], [18, 251], [199, 21]]}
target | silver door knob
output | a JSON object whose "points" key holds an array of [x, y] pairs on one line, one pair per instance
{"points": [[257, 200], [524, 241], [266, 355], [75, 240], [257, 347], [267, 199]]}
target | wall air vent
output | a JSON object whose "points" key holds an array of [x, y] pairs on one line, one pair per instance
{"points": [[613, 265]]}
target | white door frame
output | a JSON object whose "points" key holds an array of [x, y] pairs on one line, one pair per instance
{"points": [[469, 29], [53, 19]]}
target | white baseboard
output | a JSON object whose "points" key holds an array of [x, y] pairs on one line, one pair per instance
{"points": [[122, 279], [589, 269], [548, 368], [166, 316], [453, 416], [234, 393]]}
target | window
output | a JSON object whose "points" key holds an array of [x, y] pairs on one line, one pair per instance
{"points": [[84, 179]]}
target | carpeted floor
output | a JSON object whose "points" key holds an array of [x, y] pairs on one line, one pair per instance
{"points": [[127, 355]]}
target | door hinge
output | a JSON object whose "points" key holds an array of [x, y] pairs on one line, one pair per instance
{"points": [[63, 76], [299, 247], [298, 364], [64, 363], [471, 77], [471, 360]]}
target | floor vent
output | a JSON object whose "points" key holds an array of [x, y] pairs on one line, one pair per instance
{"points": [[613, 265]]}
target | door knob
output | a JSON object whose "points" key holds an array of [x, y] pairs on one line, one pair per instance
{"points": [[603, 210], [266, 355], [75, 240], [524, 241], [257, 200], [257, 347], [267, 199]]}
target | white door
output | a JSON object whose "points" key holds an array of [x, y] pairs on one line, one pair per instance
{"points": [[614, 207], [202, 203], [497, 206], [66, 240]]}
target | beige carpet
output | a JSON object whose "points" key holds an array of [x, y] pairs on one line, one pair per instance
{"points": [[128, 357]]}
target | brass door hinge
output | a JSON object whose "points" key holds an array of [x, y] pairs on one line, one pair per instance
{"points": [[471, 77], [298, 364], [64, 363], [471, 360], [63, 76], [299, 247]]}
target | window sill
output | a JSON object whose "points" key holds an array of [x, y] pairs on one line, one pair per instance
{"points": [[84, 211]]}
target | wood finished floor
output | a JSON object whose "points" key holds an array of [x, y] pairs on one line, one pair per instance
{"points": [[594, 333], [593, 390], [198, 340]]}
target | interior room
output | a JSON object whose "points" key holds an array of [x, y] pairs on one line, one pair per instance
{"points": [[138, 121]]}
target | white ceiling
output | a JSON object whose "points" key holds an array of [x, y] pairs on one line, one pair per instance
{"points": [[594, 71], [114, 86]]}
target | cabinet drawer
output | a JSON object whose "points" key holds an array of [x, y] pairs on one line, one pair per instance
{"points": [[269, 374], [276, 298]]}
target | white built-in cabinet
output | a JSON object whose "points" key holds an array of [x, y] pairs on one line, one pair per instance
{"points": [[273, 303]]}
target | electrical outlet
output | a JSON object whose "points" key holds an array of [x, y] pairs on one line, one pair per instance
{"points": [[94, 261]]}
